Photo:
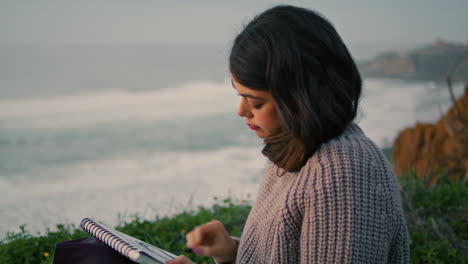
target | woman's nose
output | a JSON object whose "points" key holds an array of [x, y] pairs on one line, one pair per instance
{"points": [[243, 109]]}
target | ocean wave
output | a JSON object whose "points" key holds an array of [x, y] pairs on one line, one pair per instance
{"points": [[388, 106], [158, 184], [187, 100]]}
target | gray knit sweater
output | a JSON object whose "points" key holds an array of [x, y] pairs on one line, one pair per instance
{"points": [[343, 206]]}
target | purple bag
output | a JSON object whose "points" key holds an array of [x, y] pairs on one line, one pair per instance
{"points": [[87, 251]]}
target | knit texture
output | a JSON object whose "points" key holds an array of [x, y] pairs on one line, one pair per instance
{"points": [[343, 206]]}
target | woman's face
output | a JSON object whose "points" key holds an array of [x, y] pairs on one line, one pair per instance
{"points": [[259, 110]]}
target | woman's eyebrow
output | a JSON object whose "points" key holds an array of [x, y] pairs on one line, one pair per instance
{"points": [[246, 95], [251, 96]]}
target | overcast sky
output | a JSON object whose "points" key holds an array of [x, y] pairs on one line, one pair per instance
{"points": [[363, 24]]}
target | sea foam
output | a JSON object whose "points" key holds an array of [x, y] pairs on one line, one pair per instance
{"points": [[187, 100]]}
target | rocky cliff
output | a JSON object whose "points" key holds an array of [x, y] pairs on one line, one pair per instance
{"points": [[434, 149], [431, 62]]}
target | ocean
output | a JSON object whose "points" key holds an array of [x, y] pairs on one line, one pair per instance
{"points": [[114, 132]]}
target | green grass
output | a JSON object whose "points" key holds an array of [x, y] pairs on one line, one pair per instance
{"points": [[437, 217], [165, 232]]}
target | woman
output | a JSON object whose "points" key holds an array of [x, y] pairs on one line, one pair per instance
{"points": [[328, 194]]}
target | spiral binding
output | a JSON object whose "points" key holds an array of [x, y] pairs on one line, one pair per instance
{"points": [[107, 237]]}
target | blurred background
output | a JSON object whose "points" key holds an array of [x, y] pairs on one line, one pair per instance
{"points": [[110, 109]]}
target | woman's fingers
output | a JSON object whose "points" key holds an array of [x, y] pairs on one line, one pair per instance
{"points": [[194, 238], [180, 260], [211, 239], [203, 251], [204, 235]]}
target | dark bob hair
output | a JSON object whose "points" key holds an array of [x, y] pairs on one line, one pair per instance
{"points": [[297, 55]]}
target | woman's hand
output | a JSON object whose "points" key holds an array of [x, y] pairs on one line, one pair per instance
{"points": [[180, 260], [212, 239]]}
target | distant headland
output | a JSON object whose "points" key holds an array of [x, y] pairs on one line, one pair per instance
{"points": [[430, 62]]}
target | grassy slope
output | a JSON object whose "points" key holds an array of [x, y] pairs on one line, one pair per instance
{"points": [[437, 218]]}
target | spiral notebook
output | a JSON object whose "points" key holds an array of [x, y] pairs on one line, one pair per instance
{"points": [[132, 248]]}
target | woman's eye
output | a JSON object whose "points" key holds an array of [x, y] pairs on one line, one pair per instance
{"points": [[257, 106]]}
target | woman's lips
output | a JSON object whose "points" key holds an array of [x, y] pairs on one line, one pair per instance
{"points": [[252, 126]]}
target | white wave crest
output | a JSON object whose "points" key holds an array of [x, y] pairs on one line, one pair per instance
{"points": [[160, 184], [190, 99]]}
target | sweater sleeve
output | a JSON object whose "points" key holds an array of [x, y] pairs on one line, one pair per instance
{"points": [[326, 227], [349, 217]]}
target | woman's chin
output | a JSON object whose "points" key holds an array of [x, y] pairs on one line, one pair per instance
{"points": [[261, 134]]}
